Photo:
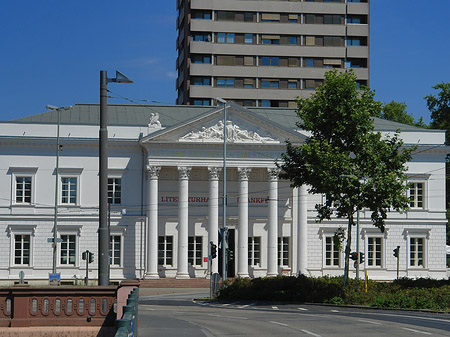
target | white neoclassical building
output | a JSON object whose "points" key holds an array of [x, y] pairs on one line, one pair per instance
{"points": [[165, 192]]}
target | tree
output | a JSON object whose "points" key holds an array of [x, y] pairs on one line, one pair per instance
{"points": [[396, 111], [439, 107], [344, 158]]}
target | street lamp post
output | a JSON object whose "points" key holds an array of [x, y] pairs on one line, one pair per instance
{"points": [[55, 220], [224, 220], [103, 230]]}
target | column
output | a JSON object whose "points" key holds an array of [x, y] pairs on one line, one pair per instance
{"points": [[272, 240], [213, 213], [302, 233], [243, 222], [183, 222], [151, 271]]}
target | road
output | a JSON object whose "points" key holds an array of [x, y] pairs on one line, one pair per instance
{"points": [[180, 315]]}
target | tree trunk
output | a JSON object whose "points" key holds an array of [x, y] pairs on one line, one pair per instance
{"points": [[348, 249]]}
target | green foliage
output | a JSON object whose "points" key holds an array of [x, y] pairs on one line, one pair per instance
{"points": [[439, 106], [404, 293], [396, 111], [344, 158]]}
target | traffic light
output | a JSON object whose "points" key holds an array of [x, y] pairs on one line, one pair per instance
{"points": [[213, 250], [91, 257], [354, 256], [230, 254], [361, 257], [396, 251], [84, 254]]}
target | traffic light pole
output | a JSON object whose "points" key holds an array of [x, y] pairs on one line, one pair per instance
{"points": [[86, 279], [357, 242]]}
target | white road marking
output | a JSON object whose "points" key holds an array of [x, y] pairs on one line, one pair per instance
{"points": [[310, 333], [279, 323], [244, 306], [231, 317], [304, 309], [334, 310], [371, 322], [225, 305], [275, 308], [418, 331]]}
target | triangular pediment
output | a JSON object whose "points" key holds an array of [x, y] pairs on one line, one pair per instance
{"points": [[242, 127]]}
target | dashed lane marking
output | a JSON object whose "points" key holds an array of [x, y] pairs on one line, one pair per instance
{"points": [[334, 310], [310, 333], [278, 323], [275, 308], [303, 309], [370, 322], [417, 331]]}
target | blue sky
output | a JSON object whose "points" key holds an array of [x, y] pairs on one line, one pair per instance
{"points": [[52, 52]]}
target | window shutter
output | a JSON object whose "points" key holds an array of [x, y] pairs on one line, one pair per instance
{"points": [[270, 16]]}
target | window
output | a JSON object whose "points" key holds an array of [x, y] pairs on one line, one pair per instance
{"points": [[273, 84], [249, 82], [225, 82], [248, 38], [201, 102], [69, 190], [309, 62], [198, 14], [23, 190], [332, 19], [270, 61], [249, 17], [165, 250], [202, 59], [265, 103], [195, 256], [312, 84], [68, 249], [225, 37], [374, 251], [201, 81], [201, 37], [356, 19], [254, 251], [292, 85], [416, 252], [23, 182], [293, 40], [332, 253], [283, 251], [22, 248], [226, 16], [114, 250], [270, 17], [270, 39], [416, 195], [114, 191]]}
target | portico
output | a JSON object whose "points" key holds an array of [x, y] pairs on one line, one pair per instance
{"points": [[196, 202]]}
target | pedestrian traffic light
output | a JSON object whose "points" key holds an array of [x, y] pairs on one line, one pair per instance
{"points": [[213, 250], [354, 256], [396, 251], [361, 257], [91, 257]]}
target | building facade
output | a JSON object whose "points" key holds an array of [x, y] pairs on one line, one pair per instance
{"points": [[165, 192], [265, 53]]}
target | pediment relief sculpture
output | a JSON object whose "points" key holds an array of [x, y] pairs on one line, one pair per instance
{"points": [[235, 134]]}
